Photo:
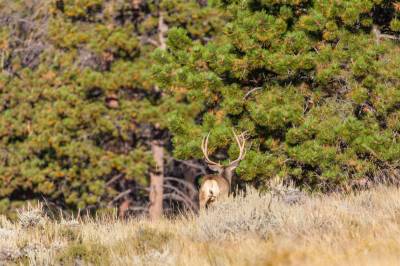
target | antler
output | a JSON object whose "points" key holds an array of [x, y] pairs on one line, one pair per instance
{"points": [[204, 145], [241, 142]]}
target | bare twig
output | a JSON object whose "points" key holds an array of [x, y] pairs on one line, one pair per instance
{"points": [[138, 208], [379, 35], [115, 178], [124, 193], [192, 165], [392, 37], [120, 195], [185, 183], [250, 92], [189, 202], [150, 41], [178, 197]]}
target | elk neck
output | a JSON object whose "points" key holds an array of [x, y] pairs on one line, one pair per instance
{"points": [[227, 175]]}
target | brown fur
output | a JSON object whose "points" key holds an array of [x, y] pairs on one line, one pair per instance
{"points": [[212, 188]]}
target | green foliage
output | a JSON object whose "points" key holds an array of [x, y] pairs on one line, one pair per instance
{"points": [[83, 88], [89, 253], [308, 81], [78, 98]]}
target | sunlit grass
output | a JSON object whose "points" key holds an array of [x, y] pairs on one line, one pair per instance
{"points": [[356, 229]]}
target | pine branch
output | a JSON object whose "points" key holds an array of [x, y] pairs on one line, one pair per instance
{"points": [[250, 92], [379, 35], [162, 30]]}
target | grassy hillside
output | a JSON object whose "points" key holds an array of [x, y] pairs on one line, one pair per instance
{"points": [[284, 229]]}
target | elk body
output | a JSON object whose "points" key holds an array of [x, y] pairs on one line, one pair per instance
{"points": [[214, 187]]}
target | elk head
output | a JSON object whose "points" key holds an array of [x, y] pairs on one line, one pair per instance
{"points": [[219, 185]]}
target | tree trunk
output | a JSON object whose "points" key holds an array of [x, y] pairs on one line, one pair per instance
{"points": [[157, 181], [123, 208], [157, 176]]}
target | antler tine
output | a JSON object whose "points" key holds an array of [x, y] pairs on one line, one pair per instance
{"points": [[241, 141], [204, 147]]}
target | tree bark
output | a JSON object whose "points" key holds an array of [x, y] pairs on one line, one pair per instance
{"points": [[123, 207], [157, 176], [162, 30], [157, 181]]}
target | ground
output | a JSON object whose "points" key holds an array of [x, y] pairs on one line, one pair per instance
{"points": [[360, 228]]}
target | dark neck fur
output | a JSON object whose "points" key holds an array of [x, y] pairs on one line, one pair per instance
{"points": [[227, 175]]}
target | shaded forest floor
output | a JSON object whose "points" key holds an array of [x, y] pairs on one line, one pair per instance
{"points": [[357, 229]]}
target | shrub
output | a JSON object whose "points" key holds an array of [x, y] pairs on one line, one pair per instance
{"points": [[314, 83], [234, 218], [89, 253], [32, 217], [150, 240]]}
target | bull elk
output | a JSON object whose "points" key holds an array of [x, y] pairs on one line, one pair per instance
{"points": [[214, 187]]}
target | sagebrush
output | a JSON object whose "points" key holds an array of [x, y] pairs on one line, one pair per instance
{"points": [[257, 229]]}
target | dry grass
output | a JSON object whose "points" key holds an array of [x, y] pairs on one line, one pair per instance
{"points": [[362, 229]]}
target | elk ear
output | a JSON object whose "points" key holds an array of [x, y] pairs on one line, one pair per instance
{"points": [[216, 168]]}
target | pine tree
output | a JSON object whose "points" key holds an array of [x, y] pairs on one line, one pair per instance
{"points": [[79, 107], [314, 83]]}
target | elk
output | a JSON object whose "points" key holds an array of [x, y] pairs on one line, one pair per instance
{"points": [[214, 187]]}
